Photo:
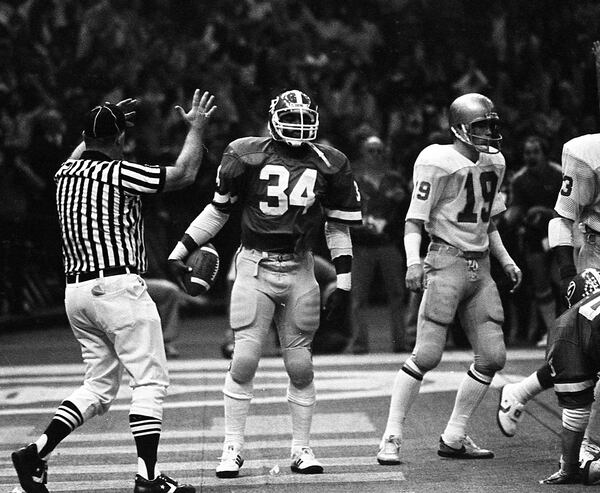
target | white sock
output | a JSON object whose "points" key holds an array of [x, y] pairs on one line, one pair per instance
{"points": [[236, 412], [301, 403], [404, 392], [469, 395], [526, 389], [41, 442], [143, 471]]}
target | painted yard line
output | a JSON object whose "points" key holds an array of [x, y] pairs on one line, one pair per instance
{"points": [[275, 362], [207, 465], [200, 375], [208, 446], [280, 479], [433, 382], [272, 425]]}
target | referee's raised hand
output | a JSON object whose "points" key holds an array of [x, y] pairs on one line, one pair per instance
{"points": [[202, 108]]}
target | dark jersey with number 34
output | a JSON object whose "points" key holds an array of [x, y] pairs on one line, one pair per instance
{"points": [[574, 356], [285, 191]]}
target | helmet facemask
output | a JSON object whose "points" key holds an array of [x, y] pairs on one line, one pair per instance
{"points": [[483, 134], [293, 119]]}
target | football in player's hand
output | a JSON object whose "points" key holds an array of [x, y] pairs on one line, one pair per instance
{"points": [[204, 262]]}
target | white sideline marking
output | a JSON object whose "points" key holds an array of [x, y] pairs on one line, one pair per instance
{"points": [[212, 446], [279, 424], [356, 477], [275, 362], [347, 386], [206, 465]]}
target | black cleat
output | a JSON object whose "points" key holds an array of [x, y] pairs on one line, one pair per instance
{"points": [[161, 484], [31, 469]]}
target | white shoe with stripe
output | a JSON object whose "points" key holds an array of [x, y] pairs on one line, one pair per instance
{"points": [[231, 462], [304, 462]]}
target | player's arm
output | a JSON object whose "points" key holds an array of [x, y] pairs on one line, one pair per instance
{"points": [[343, 210], [560, 240], [413, 230], [183, 173], [498, 250]]}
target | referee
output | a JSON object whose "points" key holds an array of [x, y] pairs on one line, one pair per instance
{"points": [[110, 312]]}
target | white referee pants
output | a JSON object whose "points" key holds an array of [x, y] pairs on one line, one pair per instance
{"points": [[118, 327]]}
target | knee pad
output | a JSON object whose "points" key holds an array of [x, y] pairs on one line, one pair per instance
{"points": [[306, 396], [426, 356], [245, 360], [235, 390], [299, 367], [147, 400], [492, 362]]}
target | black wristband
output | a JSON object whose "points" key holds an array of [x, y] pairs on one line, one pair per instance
{"points": [[343, 264], [189, 243]]}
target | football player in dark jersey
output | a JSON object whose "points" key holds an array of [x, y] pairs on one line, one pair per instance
{"points": [[574, 361], [284, 184]]}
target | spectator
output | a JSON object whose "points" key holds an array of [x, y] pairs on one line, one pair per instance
{"points": [[532, 197], [384, 204]]}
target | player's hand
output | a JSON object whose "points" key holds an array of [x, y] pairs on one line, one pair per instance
{"points": [[336, 308], [178, 270], [127, 106], [202, 108], [514, 274], [414, 277]]}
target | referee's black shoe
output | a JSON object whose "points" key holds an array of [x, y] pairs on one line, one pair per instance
{"points": [[161, 484], [31, 469]]}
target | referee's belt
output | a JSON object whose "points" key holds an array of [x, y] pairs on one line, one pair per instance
{"points": [[439, 245], [95, 274]]}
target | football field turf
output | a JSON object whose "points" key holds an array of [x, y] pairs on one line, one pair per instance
{"points": [[352, 402]]}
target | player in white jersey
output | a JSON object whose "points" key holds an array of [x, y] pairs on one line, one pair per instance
{"points": [[577, 207], [455, 197]]}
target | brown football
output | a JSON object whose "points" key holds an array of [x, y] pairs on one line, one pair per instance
{"points": [[204, 262]]}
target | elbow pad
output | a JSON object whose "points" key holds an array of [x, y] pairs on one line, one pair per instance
{"points": [[560, 232], [338, 239], [206, 225]]}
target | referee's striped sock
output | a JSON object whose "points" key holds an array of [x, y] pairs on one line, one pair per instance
{"points": [[66, 419], [146, 433]]}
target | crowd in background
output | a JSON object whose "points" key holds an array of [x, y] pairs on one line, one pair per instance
{"points": [[385, 68]]}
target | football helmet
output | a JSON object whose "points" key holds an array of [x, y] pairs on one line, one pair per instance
{"points": [[293, 118], [474, 121], [583, 285]]}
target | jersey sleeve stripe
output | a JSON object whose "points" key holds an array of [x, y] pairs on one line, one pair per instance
{"points": [[344, 216], [573, 386], [222, 198], [139, 178]]}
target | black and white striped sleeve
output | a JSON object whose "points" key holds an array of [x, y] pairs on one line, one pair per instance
{"points": [[141, 178]]}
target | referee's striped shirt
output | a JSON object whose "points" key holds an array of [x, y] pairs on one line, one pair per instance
{"points": [[100, 211]]}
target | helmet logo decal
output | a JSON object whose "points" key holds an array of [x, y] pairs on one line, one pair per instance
{"points": [[294, 119]]}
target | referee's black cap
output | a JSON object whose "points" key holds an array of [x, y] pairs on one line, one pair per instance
{"points": [[106, 120]]}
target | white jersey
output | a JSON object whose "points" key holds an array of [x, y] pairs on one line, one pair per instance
{"points": [[579, 197], [456, 197]]}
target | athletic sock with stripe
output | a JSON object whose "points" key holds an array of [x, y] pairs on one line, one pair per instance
{"points": [[66, 419], [146, 433]]}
